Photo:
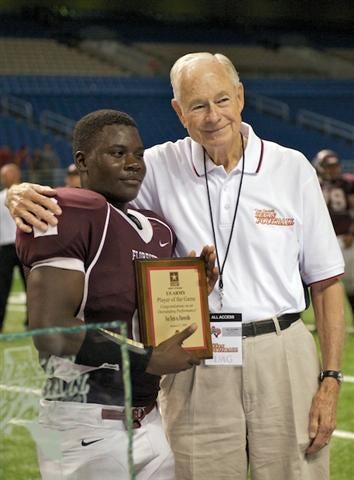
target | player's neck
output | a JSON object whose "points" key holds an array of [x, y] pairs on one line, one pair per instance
{"points": [[123, 206]]}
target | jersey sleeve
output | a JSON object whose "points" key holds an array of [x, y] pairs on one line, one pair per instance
{"points": [[73, 243]]}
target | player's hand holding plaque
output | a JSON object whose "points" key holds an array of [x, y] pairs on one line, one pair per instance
{"points": [[172, 294]]}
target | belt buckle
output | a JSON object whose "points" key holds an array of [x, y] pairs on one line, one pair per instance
{"points": [[138, 414]]}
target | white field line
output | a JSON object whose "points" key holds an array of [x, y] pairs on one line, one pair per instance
{"points": [[13, 388], [18, 298], [343, 434], [16, 308], [17, 302], [312, 328]]}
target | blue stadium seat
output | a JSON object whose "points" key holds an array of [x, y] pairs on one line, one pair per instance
{"points": [[148, 101], [16, 133]]}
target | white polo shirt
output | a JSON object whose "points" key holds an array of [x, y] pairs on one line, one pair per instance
{"points": [[7, 223], [282, 226]]}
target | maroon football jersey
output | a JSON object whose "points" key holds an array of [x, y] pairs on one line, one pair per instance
{"points": [[102, 241], [337, 195]]}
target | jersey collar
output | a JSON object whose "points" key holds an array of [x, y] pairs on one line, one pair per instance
{"points": [[254, 154], [146, 232]]}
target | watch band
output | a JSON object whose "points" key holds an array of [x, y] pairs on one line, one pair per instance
{"points": [[337, 374]]}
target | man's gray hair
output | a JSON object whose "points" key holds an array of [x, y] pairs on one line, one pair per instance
{"points": [[192, 58]]}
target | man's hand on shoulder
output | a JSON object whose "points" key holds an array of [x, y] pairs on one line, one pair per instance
{"points": [[31, 206], [170, 357]]}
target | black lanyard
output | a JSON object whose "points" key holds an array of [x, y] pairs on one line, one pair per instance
{"points": [[221, 267]]}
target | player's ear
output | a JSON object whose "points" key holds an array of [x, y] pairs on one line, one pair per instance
{"points": [[80, 161]]}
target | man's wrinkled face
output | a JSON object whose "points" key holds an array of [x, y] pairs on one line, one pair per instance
{"points": [[210, 105]]}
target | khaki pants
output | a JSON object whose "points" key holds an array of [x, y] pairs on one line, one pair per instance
{"points": [[218, 419]]}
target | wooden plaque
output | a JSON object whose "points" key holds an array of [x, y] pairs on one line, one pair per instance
{"points": [[172, 294]]}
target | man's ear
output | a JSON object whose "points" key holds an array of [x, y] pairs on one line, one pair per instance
{"points": [[177, 108], [240, 95], [80, 161]]}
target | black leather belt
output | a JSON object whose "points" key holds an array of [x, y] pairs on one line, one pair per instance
{"points": [[252, 329]]}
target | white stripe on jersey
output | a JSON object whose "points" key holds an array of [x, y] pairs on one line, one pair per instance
{"points": [[80, 315], [61, 262], [146, 232]]}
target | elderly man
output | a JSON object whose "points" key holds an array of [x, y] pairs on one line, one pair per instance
{"points": [[273, 408]]}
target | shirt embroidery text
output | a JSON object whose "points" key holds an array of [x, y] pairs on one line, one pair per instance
{"points": [[269, 217]]}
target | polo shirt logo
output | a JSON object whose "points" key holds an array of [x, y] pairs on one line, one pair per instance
{"points": [[270, 217]]}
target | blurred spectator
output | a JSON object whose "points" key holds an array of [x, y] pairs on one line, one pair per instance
{"points": [[44, 163], [72, 178], [6, 155], [9, 175], [48, 157], [22, 157], [338, 192], [349, 176]]}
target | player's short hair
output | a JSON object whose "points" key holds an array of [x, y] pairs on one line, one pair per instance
{"points": [[88, 127], [183, 63]]}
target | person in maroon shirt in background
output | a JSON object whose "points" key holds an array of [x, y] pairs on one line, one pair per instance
{"points": [[82, 271], [338, 192], [22, 157], [6, 155], [9, 175]]}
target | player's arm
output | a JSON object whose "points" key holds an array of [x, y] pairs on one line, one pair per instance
{"points": [[170, 357], [30, 205], [327, 300], [53, 298]]}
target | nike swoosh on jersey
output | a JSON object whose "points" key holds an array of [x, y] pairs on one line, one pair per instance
{"points": [[85, 444], [163, 244]]}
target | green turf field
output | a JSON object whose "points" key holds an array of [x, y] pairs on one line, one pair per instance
{"points": [[17, 452]]}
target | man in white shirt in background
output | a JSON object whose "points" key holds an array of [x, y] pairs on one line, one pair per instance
{"points": [[9, 175]]}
